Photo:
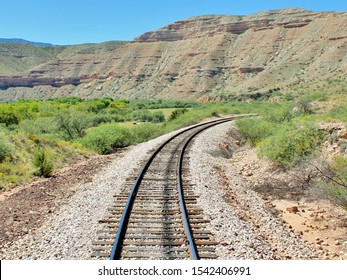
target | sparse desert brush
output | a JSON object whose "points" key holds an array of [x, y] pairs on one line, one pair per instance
{"points": [[291, 144], [13, 173], [43, 161], [331, 179], [5, 148], [145, 132], [80, 149], [65, 151], [339, 165], [255, 129], [175, 114], [343, 146], [106, 138]]}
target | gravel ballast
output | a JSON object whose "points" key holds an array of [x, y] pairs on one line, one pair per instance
{"points": [[241, 220]]}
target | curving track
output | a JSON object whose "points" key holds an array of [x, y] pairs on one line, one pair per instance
{"points": [[160, 218]]}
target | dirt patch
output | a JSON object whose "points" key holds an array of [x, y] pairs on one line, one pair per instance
{"points": [[319, 223], [24, 209]]}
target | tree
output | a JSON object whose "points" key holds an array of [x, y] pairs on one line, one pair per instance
{"points": [[72, 124], [304, 106]]}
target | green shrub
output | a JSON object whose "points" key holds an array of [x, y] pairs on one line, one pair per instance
{"points": [[339, 112], [106, 138], [5, 150], [339, 165], [343, 146], [288, 96], [146, 116], [8, 116], [175, 114], [255, 129], [13, 174], [158, 117], [334, 179], [281, 115], [304, 106], [291, 144], [142, 116], [43, 161], [336, 193], [333, 137], [145, 132], [321, 96], [72, 124], [42, 125], [101, 118]]}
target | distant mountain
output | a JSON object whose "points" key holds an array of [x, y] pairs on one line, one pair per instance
{"points": [[22, 41], [271, 53]]}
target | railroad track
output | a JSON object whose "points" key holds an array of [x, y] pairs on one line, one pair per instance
{"points": [[157, 217]]}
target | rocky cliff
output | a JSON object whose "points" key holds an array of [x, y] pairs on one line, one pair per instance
{"points": [[201, 56], [209, 26]]}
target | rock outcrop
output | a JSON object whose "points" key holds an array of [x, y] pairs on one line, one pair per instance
{"points": [[209, 26], [18, 81]]}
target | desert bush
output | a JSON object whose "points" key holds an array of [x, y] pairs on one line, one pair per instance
{"points": [[288, 96], [106, 138], [304, 106], [8, 116], [339, 166], [95, 106], [343, 146], [145, 132], [101, 118], [321, 96], [331, 179], [159, 104], [13, 174], [175, 114], [5, 150], [158, 117], [291, 144], [142, 116], [336, 193], [43, 162], [67, 100], [146, 116], [280, 115], [72, 124], [339, 112], [254, 130], [333, 137], [42, 125]]}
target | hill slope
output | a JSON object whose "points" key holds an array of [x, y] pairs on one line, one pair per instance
{"points": [[22, 41], [219, 56]]}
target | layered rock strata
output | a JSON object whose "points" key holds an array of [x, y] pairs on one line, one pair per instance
{"points": [[201, 56]]}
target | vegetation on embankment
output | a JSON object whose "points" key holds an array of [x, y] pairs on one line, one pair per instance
{"points": [[289, 136], [38, 137]]}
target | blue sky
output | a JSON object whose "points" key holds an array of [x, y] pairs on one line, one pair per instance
{"points": [[92, 21]]}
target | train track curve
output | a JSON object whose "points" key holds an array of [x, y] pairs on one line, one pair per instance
{"points": [[157, 217]]}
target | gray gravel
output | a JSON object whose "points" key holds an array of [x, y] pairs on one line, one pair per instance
{"points": [[246, 229]]}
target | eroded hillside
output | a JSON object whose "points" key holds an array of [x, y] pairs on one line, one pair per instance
{"points": [[217, 56]]}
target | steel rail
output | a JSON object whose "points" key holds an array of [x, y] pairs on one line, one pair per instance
{"points": [[118, 243], [192, 247]]}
